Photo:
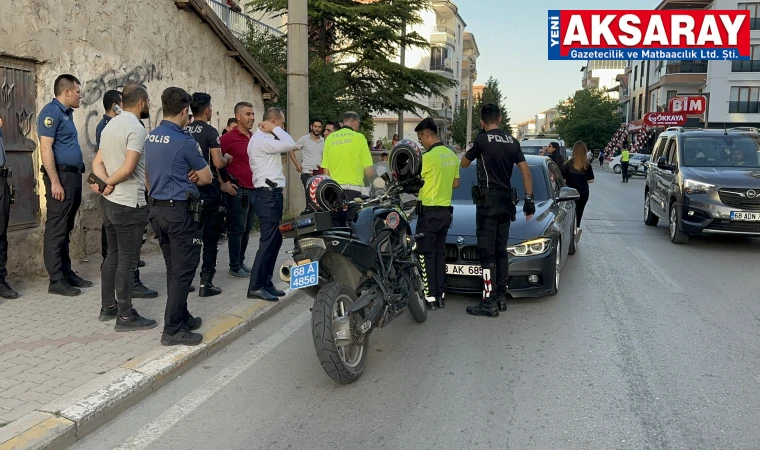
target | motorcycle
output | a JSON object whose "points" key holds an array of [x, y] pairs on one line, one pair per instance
{"points": [[367, 274]]}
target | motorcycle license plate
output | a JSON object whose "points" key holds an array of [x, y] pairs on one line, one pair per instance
{"points": [[739, 216], [460, 269], [304, 276]]}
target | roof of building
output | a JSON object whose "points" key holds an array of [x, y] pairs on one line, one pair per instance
{"points": [[235, 48], [684, 4]]}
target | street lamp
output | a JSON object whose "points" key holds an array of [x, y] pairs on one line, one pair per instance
{"points": [[470, 104]]}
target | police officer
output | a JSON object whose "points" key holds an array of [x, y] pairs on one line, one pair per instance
{"points": [[62, 169], [176, 167], [213, 216], [440, 171], [496, 154], [5, 212], [347, 160]]}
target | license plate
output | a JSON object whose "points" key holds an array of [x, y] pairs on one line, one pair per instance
{"points": [[460, 269], [740, 216], [304, 276]]}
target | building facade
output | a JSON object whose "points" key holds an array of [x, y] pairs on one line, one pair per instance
{"points": [[602, 74], [138, 47]]}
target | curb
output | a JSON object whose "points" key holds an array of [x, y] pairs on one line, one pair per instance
{"points": [[62, 422]]}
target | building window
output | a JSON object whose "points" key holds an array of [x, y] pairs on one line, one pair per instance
{"points": [[633, 109], [671, 94], [754, 14], [641, 106], [17, 103], [635, 75], [654, 107], [392, 129], [753, 65], [438, 57], [744, 100]]}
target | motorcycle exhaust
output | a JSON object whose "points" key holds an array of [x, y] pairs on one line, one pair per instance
{"points": [[285, 270]]}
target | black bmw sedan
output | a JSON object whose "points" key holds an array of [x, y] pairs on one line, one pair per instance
{"points": [[537, 248]]}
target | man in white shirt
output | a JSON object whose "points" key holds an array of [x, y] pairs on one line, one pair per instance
{"points": [[120, 163], [311, 145], [265, 151]]}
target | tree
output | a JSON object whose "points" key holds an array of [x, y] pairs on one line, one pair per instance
{"points": [[491, 94], [361, 42], [590, 116], [459, 126]]}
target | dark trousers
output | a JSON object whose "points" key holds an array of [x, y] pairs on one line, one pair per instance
{"points": [[433, 225], [492, 224], [340, 218], [601, 162], [580, 206], [124, 227], [59, 223], [104, 250], [180, 240], [240, 215], [268, 206], [624, 170], [209, 222], [5, 212]]}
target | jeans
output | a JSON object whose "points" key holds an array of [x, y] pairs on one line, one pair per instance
{"points": [[124, 229], [240, 215]]}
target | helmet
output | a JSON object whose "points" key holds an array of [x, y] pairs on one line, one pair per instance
{"points": [[405, 160], [324, 194]]}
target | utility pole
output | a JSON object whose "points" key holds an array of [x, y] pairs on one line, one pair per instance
{"points": [[470, 104], [298, 95], [402, 55]]}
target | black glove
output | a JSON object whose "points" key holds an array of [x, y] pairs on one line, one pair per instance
{"points": [[529, 207]]}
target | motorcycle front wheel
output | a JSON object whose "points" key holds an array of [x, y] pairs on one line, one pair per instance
{"points": [[343, 361]]}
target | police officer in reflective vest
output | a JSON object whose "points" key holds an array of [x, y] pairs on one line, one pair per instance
{"points": [[213, 213], [440, 170], [496, 154], [176, 167]]}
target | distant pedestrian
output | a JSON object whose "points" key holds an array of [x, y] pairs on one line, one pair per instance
{"points": [[378, 146], [394, 141], [601, 158], [589, 156], [330, 128], [311, 146], [578, 175], [231, 125], [63, 166], [625, 157]]}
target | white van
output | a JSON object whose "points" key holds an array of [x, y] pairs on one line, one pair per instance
{"points": [[534, 146]]}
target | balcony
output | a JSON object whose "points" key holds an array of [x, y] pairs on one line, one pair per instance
{"points": [[446, 30], [745, 107], [438, 67], [240, 23], [442, 110], [754, 23], [686, 67], [441, 35], [745, 66]]}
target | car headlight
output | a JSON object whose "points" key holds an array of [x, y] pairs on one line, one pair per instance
{"points": [[530, 248], [696, 187]]}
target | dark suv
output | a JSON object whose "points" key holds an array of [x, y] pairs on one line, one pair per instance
{"points": [[704, 182]]}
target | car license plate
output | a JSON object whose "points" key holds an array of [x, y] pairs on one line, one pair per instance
{"points": [[740, 216], [304, 276], [460, 269]]}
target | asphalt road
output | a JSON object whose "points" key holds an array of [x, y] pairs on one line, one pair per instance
{"points": [[648, 345]]}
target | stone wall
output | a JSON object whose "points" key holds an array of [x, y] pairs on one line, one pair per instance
{"points": [[106, 45]]}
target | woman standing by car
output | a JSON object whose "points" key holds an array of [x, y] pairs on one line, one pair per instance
{"points": [[578, 174], [552, 151]]}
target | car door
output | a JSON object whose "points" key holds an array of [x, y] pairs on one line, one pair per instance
{"points": [[653, 175], [564, 211], [664, 179], [668, 175]]}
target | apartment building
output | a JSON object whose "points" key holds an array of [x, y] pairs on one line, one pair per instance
{"points": [[444, 28], [732, 87], [602, 74]]}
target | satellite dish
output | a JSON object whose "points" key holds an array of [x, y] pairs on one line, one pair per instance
{"points": [[447, 63]]}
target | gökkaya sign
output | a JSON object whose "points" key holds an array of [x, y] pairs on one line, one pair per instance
{"points": [[660, 119]]}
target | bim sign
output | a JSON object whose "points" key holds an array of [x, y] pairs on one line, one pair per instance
{"points": [[649, 35], [688, 104]]}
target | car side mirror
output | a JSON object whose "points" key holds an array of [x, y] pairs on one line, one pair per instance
{"points": [[662, 163], [567, 194]]}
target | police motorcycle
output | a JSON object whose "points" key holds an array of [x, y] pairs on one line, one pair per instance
{"points": [[367, 272]]}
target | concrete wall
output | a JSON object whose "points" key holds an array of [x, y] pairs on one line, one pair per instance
{"points": [[106, 46]]}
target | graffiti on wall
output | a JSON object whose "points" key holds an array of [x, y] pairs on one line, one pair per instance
{"points": [[94, 90]]}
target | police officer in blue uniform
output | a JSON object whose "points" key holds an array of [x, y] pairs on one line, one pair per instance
{"points": [[176, 167], [62, 168]]}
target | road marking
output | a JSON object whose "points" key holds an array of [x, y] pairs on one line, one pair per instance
{"points": [[151, 432], [670, 284]]}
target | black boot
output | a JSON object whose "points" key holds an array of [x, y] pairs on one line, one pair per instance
{"points": [[432, 303], [441, 302], [139, 290], [502, 303], [484, 309], [207, 287]]}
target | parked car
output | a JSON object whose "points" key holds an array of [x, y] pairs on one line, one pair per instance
{"points": [[634, 160], [704, 182], [637, 165], [538, 248], [534, 146]]}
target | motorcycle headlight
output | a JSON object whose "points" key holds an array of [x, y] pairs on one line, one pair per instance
{"points": [[530, 248], [696, 187]]}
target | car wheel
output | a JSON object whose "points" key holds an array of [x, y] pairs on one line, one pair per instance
{"points": [[649, 218], [617, 168], [676, 236], [557, 268], [573, 244]]}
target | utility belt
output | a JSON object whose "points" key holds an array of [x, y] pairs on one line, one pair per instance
{"points": [[193, 205], [7, 173], [66, 168], [270, 187], [482, 197]]}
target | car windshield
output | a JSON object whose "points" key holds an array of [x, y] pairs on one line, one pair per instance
{"points": [[469, 177], [721, 151], [531, 149]]}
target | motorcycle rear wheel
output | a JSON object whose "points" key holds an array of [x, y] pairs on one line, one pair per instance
{"points": [[416, 303], [343, 361]]}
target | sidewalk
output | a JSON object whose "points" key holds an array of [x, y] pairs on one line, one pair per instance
{"points": [[63, 372]]}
